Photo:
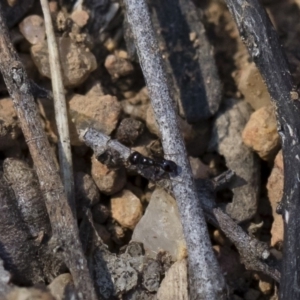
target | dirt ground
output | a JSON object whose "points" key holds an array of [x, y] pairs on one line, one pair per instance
{"points": [[105, 89]]}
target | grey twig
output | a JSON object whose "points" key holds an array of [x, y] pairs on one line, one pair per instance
{"points": [[61, 115], [206, 279], [265, 49], [63, 223]]}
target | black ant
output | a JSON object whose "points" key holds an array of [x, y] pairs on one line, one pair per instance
{"points": [[167, 166]]}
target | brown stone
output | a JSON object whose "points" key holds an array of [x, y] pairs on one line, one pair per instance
{"points": [[118, 66], [61, 286], [260, 133], [80, 17], [101, 113], [252, 86], [265, 287], [108, 181], [126, 209], [136, 106], [33, 29], [30, 293], [76, 60]]}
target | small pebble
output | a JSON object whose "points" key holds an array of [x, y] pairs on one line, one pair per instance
{"points": [[33, 29], [77, 62], [118, 67], [30, 293], [101, 113], [53, 7], [160, 228], [135, 249], [108, 181], [260, 133], [252, 86], [126, 209], [265, 287], [62, 287], [80, 17], [129, 130], [152, 275], [137, 106], [219, 237]]}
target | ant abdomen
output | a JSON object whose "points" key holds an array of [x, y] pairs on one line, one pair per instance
{"points": [[169, 166]]}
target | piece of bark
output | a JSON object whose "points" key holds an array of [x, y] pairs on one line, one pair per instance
{"points": [[30, 200], [17, 250], [31, 207]]}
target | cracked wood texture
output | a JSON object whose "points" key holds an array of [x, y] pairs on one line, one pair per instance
{"points": [[63, 223], [264, 47]]}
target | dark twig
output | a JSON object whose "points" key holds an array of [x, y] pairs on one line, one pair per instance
{"points": [[64, 225], [252, 251], [206, 279], [264, 47]]}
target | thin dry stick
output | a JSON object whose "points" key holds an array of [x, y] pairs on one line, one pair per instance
{"points": [[252, 251], [64, 226], [206, 279], [61, 116]]}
